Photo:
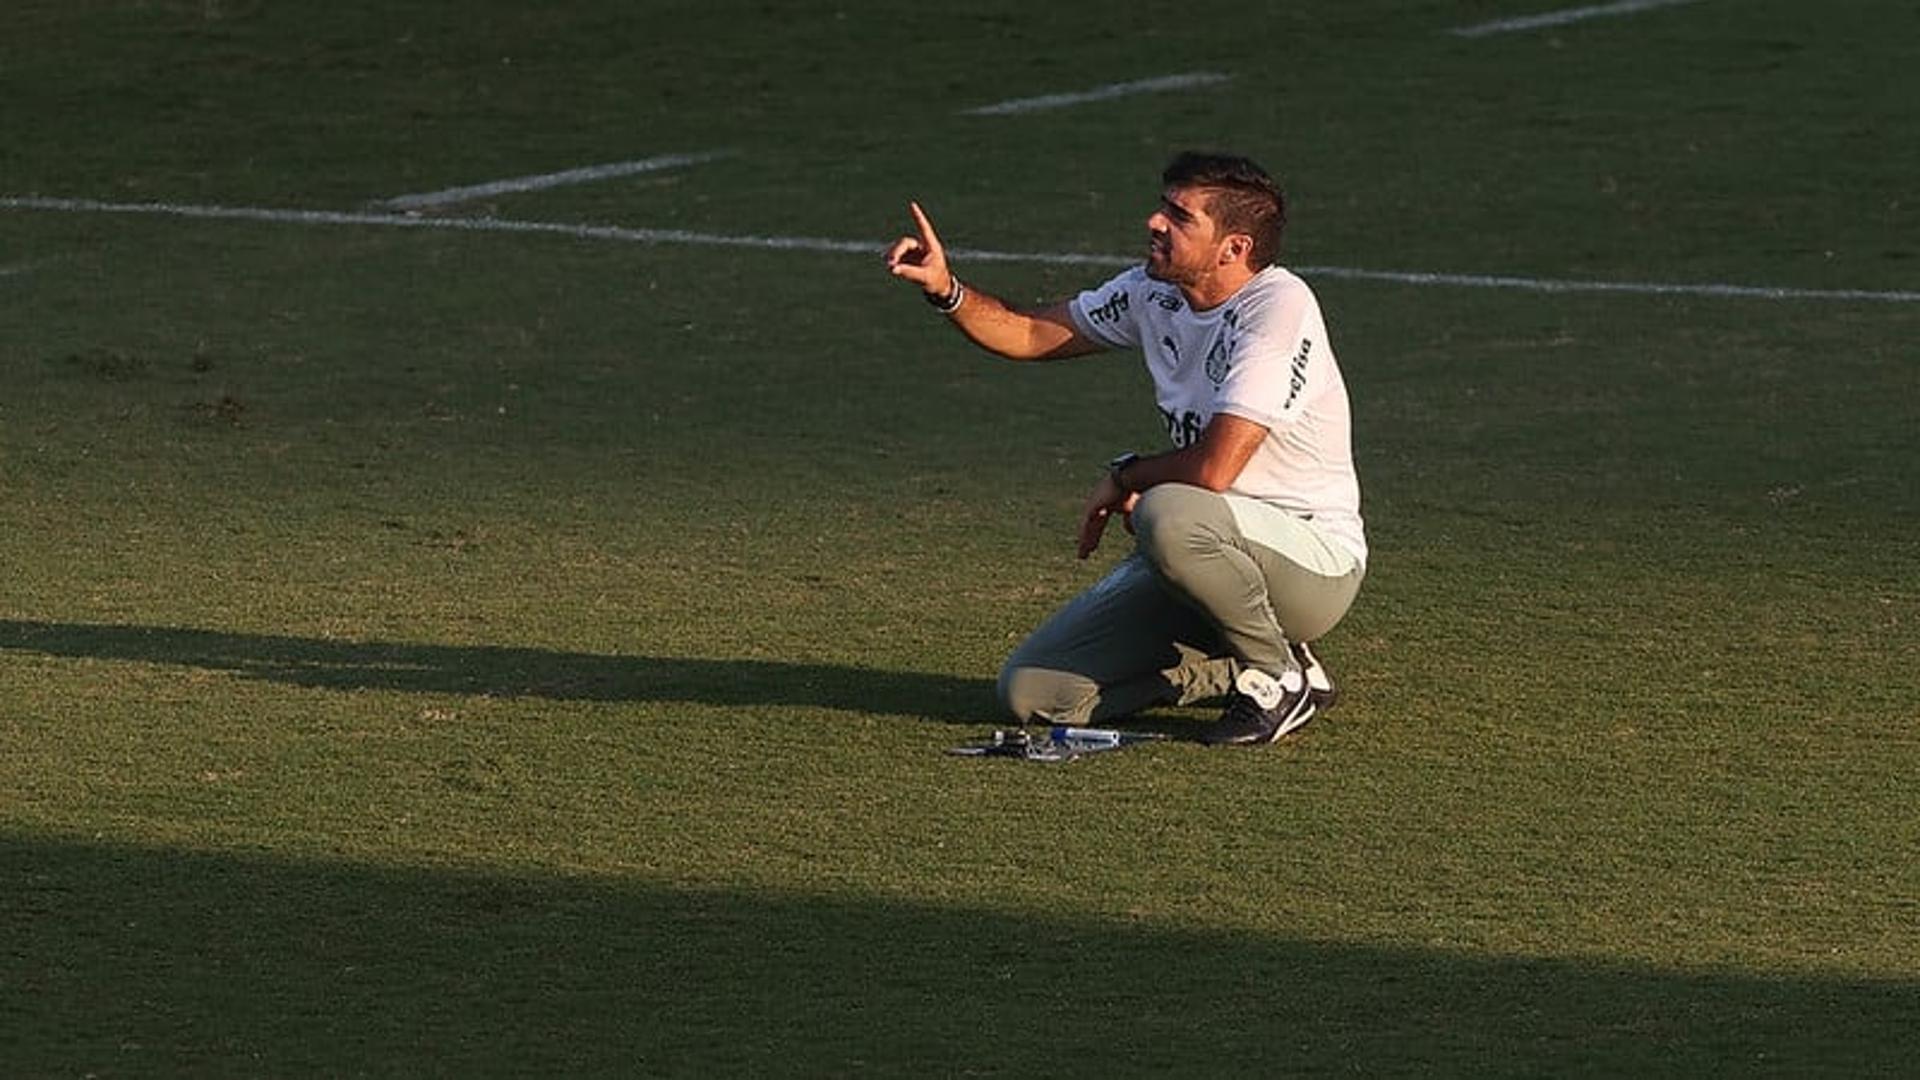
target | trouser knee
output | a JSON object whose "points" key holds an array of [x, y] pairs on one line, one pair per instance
{"points": [[1172, 522], [1036, 695]]}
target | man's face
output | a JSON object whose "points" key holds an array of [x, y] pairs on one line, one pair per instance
{"points": [[1183, 242]]}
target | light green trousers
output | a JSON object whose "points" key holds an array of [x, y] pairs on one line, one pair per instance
{"points": [[1176, 620]]}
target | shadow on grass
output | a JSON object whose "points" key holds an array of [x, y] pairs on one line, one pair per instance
{"points": [[135, 961], [510, 672]]}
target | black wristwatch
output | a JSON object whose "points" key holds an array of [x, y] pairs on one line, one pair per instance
{"points": [[1119, 465]]}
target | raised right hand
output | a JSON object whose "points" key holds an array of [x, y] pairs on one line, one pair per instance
{"points": [[920, 258]]}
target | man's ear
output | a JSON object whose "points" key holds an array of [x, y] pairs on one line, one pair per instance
{"points": [[1237, 247]]}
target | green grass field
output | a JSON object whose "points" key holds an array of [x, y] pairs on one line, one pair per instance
{"points": [[480, 652]]}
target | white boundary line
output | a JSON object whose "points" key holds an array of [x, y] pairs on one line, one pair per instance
{"points": [[1157, 85], [863, 247], [584, 175], [1561, 18]]}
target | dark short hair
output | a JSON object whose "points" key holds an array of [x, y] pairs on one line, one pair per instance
{"points": [[1241, 198]]}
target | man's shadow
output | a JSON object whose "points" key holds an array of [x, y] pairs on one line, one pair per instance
{"points": [[494, 671]]}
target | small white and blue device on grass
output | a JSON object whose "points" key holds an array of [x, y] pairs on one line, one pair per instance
{"points": [[1062, 743], [1086, 738]]}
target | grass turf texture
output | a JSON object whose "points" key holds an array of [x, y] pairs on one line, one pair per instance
{"points": [[497, 653]]}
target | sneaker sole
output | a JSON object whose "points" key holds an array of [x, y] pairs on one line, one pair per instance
{"points": [[1295, 722], [1311, 665], [1303, 711], [1292, 723]]}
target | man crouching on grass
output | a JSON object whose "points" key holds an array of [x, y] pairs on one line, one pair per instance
{"points": [[1249, 542]]}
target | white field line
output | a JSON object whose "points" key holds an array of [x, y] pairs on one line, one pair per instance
{"points": [[1561, 18], [585, 175], [1099, 93], [823, 245]]}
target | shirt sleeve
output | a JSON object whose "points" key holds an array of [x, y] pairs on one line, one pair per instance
{"points": [[1279, 362], [1109, 314]]}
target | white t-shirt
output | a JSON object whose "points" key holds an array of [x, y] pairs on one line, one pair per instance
{"points": [[1263, 355]]}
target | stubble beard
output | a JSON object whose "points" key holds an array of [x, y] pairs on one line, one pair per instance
{"points": [[1160, 267]]}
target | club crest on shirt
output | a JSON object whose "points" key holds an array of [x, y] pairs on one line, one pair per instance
{"points": [[1219, 361], [1220, 354]]}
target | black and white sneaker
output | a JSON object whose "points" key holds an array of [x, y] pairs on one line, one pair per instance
{"points": [[1261, 709], [1319, 684]]}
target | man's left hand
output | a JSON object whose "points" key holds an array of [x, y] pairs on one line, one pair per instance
{"points": [[1108, 498]]}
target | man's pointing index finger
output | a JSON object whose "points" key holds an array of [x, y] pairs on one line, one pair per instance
{"points": [[920, 220]]}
